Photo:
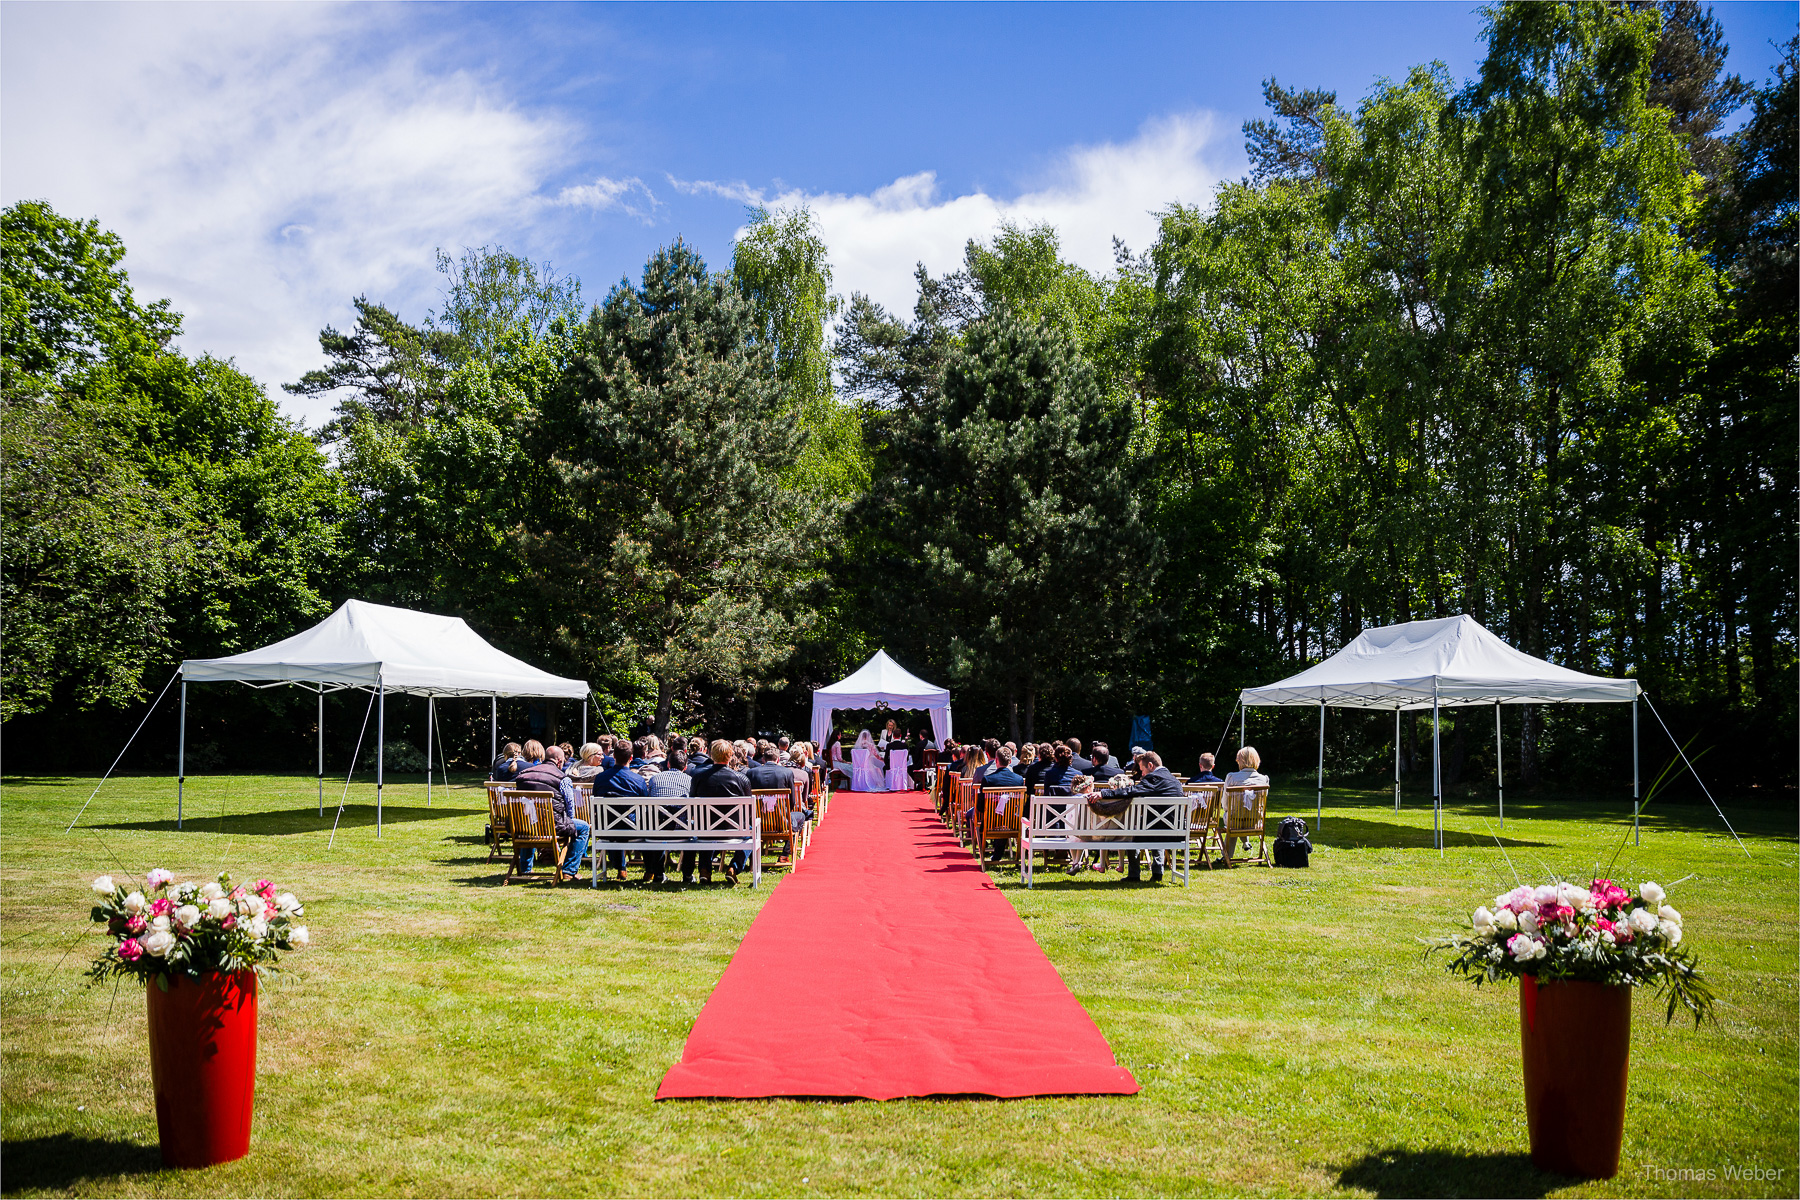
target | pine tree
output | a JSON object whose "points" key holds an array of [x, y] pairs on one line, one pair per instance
{"points": [[1018, 502], [680, 553]]}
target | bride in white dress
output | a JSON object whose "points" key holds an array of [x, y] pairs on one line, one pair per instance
{"points": [[866, 769]]}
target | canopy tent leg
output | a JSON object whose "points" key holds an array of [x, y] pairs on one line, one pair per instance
{"points": [[1319, 805], [321, 750], [1242, 740], [1499, 764], [1636, 839], [584, 705], [1396, 759], [493, 728], [430, 720], [380, 738], [1437, 777], [181, 754]]}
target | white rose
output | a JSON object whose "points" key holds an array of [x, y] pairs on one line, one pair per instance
{"points": [[1528, 922], [1607, 937], [1483, 920], [1668, 914], [1651, 894], [159, 923], [219, 909], [187, 916], [1643, 920], [248, 904], [1570, 896], [1671, 931], [134, 903], [1507, 919], [104, 885], [259, 928], [1546, 894], [211, 891], [287, 902], [298, 935], [159, 943]]}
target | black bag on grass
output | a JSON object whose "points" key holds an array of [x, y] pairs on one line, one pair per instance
{"points": [[1292, 847]]}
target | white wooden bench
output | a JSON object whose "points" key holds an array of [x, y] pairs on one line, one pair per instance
{"points": [[674, 823], [1154, 823]]}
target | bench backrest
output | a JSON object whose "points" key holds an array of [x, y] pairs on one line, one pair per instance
{"points": [[1205, 799], [1001, 809], [1243, 810], [1052, 816], [649, 817], [531, 814]]}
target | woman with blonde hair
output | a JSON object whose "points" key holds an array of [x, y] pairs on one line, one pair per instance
{"points": [[1248, 774]]}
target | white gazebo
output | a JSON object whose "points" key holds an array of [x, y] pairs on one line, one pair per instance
{"points": [[1449, 663], [881, 682], [378, 649]]}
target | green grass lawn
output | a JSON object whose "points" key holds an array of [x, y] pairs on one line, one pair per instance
{"points": [[446, 1036]]}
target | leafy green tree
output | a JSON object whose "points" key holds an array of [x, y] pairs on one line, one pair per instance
{"points": [[680, 553], [393, 372], [491, 294], [780, 266]]}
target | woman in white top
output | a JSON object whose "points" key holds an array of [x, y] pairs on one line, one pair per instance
{"points": [[1247, 775]]}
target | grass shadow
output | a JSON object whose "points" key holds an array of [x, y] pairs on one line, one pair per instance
{"points": [[1400, 1172], [63, 1161], [296, 820], [1354, 833]]}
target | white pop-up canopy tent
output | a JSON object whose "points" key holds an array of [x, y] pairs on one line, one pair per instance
{"points": [[379, 649], [881, 681], [1450, 663]]}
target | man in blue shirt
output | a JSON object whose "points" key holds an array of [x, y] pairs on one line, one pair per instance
{"points": [[999, 773], [546, 774], [1206, 771], [618, 779]]}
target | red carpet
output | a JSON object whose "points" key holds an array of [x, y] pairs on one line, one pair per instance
{"points": [[888, 965]]}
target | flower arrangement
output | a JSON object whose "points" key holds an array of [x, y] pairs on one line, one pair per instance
{"points": [[166, 929], [1600, 933]]}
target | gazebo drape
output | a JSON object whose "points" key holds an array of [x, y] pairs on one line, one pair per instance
{"points": [[881, 681]]}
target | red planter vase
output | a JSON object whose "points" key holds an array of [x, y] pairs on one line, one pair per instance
{"points": [[1576, 1039], [203, 1067]]}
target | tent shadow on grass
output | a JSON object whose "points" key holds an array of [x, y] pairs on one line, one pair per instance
{"points": [[1400, 1172], [295, 820], [63, 1161], [1353, 833]]}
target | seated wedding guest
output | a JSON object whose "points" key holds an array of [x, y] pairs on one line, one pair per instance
{"points": [[973, 759], [889, 733], [767, 773], [1206, 771], [619, 779], [999, 774], [1024, 763], [1082, 766], [990, 751], [1059, 777], [696, 755], [1105, 765], [509, 764], [1157, 781], [715, 779], [568, 751], [1248, 774], [672, 781], [641, 762], [545, 774], [784, 750], [592, 762], [605, 742], [653, 750]]}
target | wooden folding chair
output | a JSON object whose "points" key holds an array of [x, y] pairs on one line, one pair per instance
{"points": [[531, 816], [997, 818], [499, 827], [1203, 818], [776, 808], [1242, 819]]}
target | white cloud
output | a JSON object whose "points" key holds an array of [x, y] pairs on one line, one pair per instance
{"points": [[262, 164], [630, 196], [1093, 194]]}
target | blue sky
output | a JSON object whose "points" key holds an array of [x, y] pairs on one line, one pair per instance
{"points": [[266, 163]]}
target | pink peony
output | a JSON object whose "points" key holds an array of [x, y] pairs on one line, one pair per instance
{"points": [[237, 893], [270, 908], [135, 925], [158, 877], [131, 950], [162, 906], [265, 889], [229, 922]]}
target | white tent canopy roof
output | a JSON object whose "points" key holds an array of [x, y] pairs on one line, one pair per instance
{"points": [[879, 681], [1454, 661], [362, 645]]}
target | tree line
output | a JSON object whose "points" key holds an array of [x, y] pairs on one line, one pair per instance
{"points": [[1521, 346]]}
